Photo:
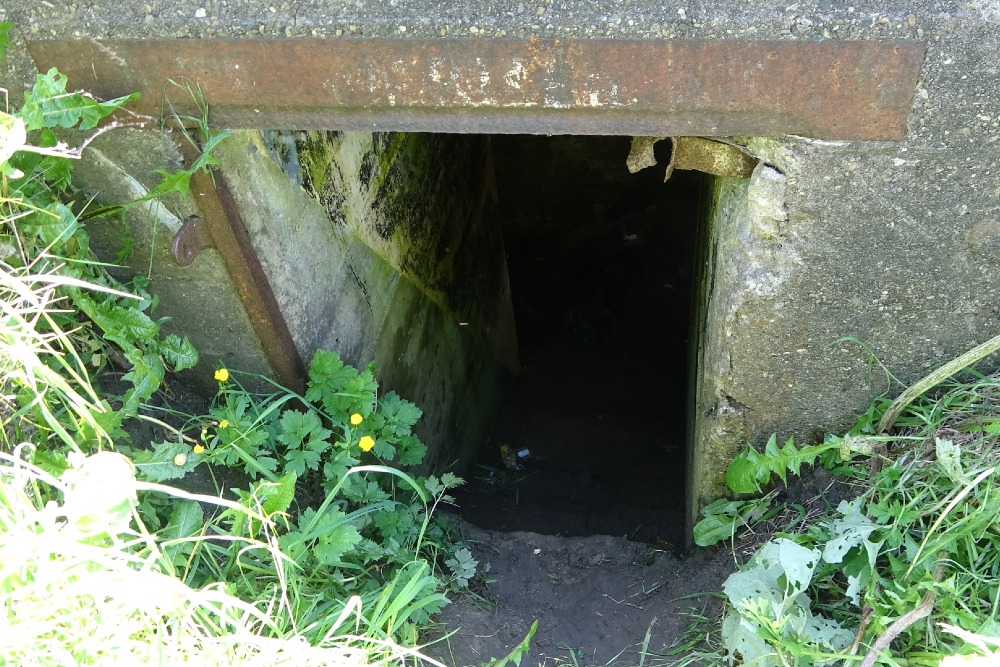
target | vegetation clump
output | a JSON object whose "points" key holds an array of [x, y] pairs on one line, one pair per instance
{"points": [[903, 570], [329, 553]]}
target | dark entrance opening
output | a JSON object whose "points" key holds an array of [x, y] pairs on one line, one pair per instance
{"points": [[592, 437]]}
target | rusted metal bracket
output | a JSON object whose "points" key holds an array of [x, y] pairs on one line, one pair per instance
{"points": [[220, 226], [851, 89]]}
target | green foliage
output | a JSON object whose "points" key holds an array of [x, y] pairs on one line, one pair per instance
{"points": [[49, 268], [48, 105], [723, 518], [915, 551], [354, 527], [751, 469], [518, 651], [5, 28], [81, 586], [324, 531]]}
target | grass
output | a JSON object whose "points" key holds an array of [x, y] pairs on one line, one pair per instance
{"points": [[79, 586], [906, 573]]}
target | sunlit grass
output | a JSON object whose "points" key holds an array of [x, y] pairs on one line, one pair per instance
{"points": [[77, 586]]}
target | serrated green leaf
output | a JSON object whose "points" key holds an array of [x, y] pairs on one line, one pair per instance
{"points": [[178, 352], [433, 485], [49, 105], [395, 524], [298, 461], [337, 543], [160, 463], [400, 415], [751, 469], [410, 451], [451, 480], [297, 426], [385, 450], [327, 375]]}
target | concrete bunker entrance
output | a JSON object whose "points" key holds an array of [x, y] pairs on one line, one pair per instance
{"points": [[602, 264]]}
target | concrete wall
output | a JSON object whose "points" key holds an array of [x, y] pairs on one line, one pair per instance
{"points": [[890, 242], [385, 248], [200, 300]]}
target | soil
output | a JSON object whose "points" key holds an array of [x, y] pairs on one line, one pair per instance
{"points": [[595, 599], [602, 600]]}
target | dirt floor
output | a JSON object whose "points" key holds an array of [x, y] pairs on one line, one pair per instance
{"points": [[595, 599]]}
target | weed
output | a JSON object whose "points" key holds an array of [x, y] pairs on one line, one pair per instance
{"points": [[906, 572], [328, 546]]}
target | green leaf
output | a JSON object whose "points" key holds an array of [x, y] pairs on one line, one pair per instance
{"points": [[327, 375], [385, 450], [451, 480], [178, 352], [297, 426], [48, 104], [400, 415], [146, 376], [5, 28], [751, 469], [410, 450], [518, 651], [298, 461], [186, 519], [395, 524], [463, 566], [165, 461], [337, 543], [724, 517], [849, 531], [277, 496]]}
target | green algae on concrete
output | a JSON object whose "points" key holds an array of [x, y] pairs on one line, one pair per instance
{"points": [[378, 249]]}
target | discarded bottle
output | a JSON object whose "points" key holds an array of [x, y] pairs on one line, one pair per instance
{"points": [[514, 460]]}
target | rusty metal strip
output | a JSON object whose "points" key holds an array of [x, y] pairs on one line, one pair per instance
{"points": [[830, 89], [222, 227]]}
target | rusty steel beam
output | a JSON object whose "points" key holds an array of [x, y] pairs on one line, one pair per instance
{"points": [[831, 89], [220, 226]]}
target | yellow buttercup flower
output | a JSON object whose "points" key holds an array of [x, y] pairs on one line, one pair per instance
{"points": [[366, 443], [224, 423], [222, 374], [356, 419], [198, 449]]}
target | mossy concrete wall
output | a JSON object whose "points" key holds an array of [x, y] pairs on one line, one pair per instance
{"points": [[386, 248]]}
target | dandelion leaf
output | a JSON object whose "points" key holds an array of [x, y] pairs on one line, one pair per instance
{"points": [[164, 461]]}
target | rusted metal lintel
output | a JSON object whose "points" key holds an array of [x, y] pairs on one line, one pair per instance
{"points": [[221, 227], [830, 89]]}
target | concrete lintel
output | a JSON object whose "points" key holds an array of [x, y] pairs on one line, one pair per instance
{"points": [[832, 90]]}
